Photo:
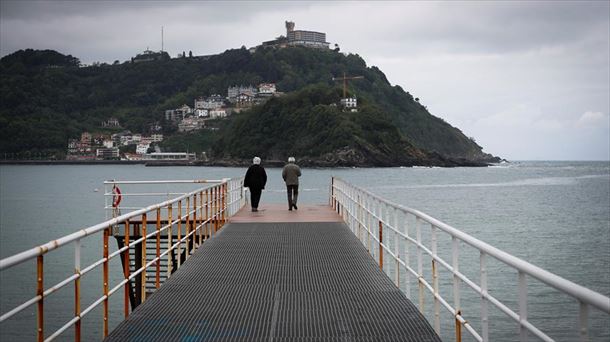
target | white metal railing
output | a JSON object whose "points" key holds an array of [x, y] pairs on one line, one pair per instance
{"points": [[199, 214], [368, 215], [111, 185]]}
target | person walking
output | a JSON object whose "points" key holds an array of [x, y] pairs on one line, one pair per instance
{"points": [[255, 180], [291, 174]]}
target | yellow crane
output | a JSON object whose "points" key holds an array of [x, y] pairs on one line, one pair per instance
{"points": [[345, 79]]}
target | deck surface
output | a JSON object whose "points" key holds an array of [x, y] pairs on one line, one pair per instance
{"points": [[259, 280]]}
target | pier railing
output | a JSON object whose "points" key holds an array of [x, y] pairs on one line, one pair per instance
{"points": [[372, 218], [192, 217]]}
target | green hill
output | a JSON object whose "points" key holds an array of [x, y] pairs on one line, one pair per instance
{"points": [[46, 99]]}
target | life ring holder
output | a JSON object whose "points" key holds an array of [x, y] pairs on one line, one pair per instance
{"points": [[116, 196]]}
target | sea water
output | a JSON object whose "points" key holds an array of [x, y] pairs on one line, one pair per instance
{"points": [[554, 215]]}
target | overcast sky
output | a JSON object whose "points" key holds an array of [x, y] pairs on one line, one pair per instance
{"points": [[528, 80]]}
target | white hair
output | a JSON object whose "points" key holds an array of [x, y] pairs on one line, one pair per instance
{"points": [[256, 160], [291, 159]]}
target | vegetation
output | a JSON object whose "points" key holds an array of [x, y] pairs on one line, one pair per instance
{"points": [[46, 99]]}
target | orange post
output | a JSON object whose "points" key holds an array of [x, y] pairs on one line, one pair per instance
{"points": [[126, 271], [40, 292], [201, 218], [207, 213], [179, 233], [105, 275], [215, 195], [143, 286], [187, 228], [194, 223], [224, 203]]}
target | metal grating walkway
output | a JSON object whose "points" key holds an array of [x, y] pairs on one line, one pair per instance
{"points": [[278, 282]]}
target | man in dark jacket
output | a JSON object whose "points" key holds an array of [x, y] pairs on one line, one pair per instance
{"points": [[291, 174], [255, 179]]}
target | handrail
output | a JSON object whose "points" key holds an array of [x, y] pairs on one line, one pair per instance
{"points": [[206, 211], [360, 207]]}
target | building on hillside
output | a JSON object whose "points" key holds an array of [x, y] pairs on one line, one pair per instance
{"points": [[85, 139], [142, 148], [118, 137], [310, 39], [218, 113], [178, 114], [212, 102], [350, 104], [305, 38], [201, 113], [111, 123], [266, 89], [107, 153], [244, 100], [149, 56], [156, 137], [235, 91], [108, 144], [191, 123]]}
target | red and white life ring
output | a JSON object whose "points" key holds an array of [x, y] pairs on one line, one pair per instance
{"points": [[116, 196]]}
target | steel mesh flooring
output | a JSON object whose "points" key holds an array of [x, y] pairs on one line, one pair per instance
{"points": [[278, 282]]}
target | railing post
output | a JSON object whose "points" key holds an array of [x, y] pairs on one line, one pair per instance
{"points": [[396, 249], [170, 242], [200, 224], [522, 307], [583, 318], [224, 203], [369, 224], [143, 246], [484, 302], [420, 264], [77, 325], [158, 251], [215, 208], [179, 228], [437, 318], [126, 272], [407, 257], [456, 286], [105, 280], [40, 292], [207, 213], [380, 236], [187, 228]]}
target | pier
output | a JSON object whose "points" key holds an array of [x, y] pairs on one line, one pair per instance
{"points": [[201, 266], [278, 275]]}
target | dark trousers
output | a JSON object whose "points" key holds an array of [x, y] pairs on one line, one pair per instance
{"points": [[293, 194], [255, 197]]}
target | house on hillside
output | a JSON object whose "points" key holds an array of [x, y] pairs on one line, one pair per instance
{"points": [[235, 91], [149, 56], [218, 113], [266, 89], [191, 123], [111, 123], [350, 104]]}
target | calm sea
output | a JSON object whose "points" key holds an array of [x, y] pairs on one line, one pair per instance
{"points": [[555, 215]]}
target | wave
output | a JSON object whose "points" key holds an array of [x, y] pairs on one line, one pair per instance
{"points": [[543, 181]]}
